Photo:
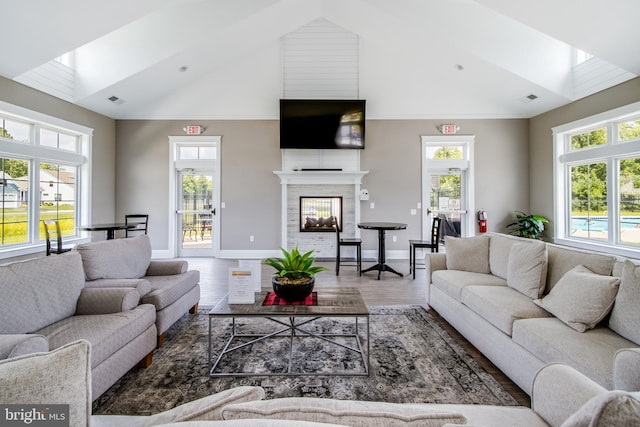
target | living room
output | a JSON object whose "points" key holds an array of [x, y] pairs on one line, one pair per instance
{"points": [[235, 99]]}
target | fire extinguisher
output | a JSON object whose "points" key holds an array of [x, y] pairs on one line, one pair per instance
{"points": [[482, 221]]}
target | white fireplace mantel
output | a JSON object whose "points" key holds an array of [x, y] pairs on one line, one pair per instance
{"points": [[321, 177]]}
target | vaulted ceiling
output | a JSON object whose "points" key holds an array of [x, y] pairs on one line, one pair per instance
{"points": [[222, 59]]}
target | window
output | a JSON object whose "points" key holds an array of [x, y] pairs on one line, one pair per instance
{"points": [[597, 179], [43, 165]]}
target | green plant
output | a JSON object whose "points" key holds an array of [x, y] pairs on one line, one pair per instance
{"points": [[294, 267], [530, 226]]}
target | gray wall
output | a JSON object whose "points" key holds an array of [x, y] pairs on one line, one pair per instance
{"points": [[541, 139], [103, 147], [251, 191]]}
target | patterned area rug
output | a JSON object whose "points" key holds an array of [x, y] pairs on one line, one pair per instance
{"points": [[412, 360]]}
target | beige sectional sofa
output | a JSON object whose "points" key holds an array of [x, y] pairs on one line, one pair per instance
{"points": [[168, 285], [45, 305], [525, 304], [109, 293], [561, 396]]}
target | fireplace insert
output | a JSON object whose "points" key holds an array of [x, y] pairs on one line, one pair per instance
{"points": [[319, 214]]}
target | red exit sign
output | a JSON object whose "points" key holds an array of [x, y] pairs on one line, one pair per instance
{"points": [[194, 130], [449, 129]]}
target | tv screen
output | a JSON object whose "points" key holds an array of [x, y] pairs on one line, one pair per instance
{"points": [[322, 124]]}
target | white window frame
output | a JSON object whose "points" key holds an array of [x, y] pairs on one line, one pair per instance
{"points": [[611, 153], [36, 154]]}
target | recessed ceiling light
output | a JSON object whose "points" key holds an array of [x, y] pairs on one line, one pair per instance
{"points": [[532, 97], [183, 68], [458, 67]]}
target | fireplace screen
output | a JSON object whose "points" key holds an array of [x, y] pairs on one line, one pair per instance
{"points": [[320, 213]]}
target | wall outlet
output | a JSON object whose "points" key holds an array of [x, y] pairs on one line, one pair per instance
{"points": [[252, 238], [372, 205], [395, 238], [414, 212], [222, 205], [419, 205]]}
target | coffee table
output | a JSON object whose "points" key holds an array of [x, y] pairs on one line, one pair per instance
{"points": [[292, 324]]}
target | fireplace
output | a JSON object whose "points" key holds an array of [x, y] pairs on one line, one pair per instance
{"points": [[319, 214]]}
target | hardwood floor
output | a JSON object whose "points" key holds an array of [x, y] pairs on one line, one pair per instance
{"points": [[390, 290]]}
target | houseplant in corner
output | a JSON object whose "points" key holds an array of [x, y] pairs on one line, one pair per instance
{"points": [[295, 274], [527, 225]]}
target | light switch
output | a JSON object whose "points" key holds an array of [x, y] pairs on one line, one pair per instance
{"points": [[414, 212], [372, 205]]}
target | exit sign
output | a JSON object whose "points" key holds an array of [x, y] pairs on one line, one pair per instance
{"points": [[194, 130], [449, 129]]}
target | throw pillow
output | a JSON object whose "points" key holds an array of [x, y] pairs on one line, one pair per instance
{"points": [[527, 268], [59, 377], [117, 258], [343, 412], [625, 315], [613, 408], [468, 254], [581, 298], [207, 408]]}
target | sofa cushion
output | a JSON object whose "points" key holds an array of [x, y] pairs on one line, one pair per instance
{"points": [[581, 298], [452, 282], [107, 333], [561, 259], [468, 254], [60, 377], [613, 408], [499, 248], [165, 290], [591, 352], [527, 268], [348, 412], [39, 292], [625, 314], [501, 305], [117, 258]]}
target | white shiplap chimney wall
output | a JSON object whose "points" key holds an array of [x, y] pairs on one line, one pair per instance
{"points": [[321, 61]]}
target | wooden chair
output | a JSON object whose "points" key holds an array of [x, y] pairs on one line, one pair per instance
{"points": [[140, 221], [357, 243], [53, 235], [424, 244]]}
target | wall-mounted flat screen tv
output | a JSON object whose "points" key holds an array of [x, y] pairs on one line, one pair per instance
{"points": [[322, 123]]}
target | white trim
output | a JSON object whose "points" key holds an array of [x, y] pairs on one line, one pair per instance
{"points": [[35, 154], [210, 165], [610, 153], [601, 118], [41, 118], [466, 164]]}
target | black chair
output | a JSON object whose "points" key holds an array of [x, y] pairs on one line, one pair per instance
{"points": [[357, 243], [424, 244], [139, 220], [53, 235]]}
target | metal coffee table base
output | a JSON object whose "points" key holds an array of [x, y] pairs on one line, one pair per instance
{"points": [[292, 331]]}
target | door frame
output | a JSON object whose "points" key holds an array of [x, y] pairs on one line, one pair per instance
{"points": [[467, 228], [175, 166]]}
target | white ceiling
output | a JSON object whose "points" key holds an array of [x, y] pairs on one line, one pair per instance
{"points": [[232, 50]]}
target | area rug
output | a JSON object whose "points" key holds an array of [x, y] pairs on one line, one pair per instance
{"points": [[412, 360]]}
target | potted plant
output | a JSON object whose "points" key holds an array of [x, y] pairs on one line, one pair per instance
{"points": [[530, 226], [295, 274]]}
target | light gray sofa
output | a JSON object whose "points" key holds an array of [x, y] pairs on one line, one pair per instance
{"points": [[168, 285], [525, 304], [44, 305], [561, 396]]}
